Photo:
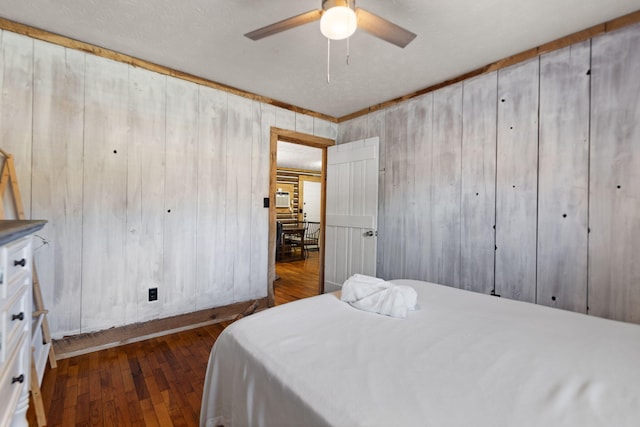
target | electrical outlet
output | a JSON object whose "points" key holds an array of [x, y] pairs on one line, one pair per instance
{"points": [[153, 294]]}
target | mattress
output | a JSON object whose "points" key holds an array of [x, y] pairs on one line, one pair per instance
{"points": [[460, 359]]}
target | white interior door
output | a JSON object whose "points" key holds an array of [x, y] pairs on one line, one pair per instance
{"points": [[311, 202], [351, 211]]}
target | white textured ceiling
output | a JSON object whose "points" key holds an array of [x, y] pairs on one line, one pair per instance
{"points": [[205, 38], [297, 156]]}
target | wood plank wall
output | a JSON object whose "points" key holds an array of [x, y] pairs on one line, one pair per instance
{"points": [[291, 177], [614, 208], [146, 181], [493, 183]]}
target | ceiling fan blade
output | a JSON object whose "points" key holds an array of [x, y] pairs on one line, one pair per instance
{"points": [[285, 24], [381, 28]]}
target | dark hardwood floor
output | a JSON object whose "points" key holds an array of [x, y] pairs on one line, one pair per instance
{"points": [[156, 382], [298, 279]]}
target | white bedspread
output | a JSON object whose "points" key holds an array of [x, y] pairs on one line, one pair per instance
{"points": [[461, 359]]}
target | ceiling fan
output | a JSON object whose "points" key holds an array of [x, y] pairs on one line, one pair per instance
{"points": [[338, 20]]}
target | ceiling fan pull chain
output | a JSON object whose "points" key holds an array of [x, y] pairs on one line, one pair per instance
{"points": [[328, 60], [348, 38]]}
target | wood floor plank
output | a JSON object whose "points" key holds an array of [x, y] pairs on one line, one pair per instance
{"points": [[148, 412], [83, 374], [156, 382], [83, 414], [95, 413], [134, 408], [71, 396], [69, 417], [57, 411]]}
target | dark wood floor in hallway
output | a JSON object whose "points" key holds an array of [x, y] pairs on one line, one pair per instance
{"points": [[156, 382], [297, 279]]}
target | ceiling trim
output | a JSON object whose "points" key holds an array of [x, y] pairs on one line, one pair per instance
{"points": [[36, 33], [605, 27]]}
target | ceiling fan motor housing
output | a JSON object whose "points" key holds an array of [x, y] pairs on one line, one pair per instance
{"points": [[328, 4]]}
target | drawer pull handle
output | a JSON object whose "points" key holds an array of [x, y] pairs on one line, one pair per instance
{"points": [[19, 379], [21, 263], [17, 316]]}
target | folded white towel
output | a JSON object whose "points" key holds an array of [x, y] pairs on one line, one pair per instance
{"points": [[378, 296]]}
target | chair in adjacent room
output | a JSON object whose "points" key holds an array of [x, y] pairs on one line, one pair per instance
{"points": [[311, 236], [278, 240]]}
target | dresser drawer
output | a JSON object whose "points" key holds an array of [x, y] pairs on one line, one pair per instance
{"points": [[15, 318], [13, 378], [15, 259]]}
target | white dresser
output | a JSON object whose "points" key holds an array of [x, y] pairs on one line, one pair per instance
{"points": [[15, 321]]}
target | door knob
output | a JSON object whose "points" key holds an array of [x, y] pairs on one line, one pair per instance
{"points": [[371, 233]]}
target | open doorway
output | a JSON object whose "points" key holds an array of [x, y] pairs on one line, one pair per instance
{"points": [[296, 214]]}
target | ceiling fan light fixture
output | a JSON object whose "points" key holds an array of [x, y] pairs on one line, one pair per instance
{"points": [[338, 22]]}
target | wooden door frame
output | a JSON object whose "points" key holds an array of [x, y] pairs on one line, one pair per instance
{"points": [[278, 134]]}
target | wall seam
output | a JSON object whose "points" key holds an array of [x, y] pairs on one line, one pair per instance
{"points": [[535, 299], [589, 123]]}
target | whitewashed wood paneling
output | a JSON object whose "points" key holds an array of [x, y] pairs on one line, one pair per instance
{"points": [[563, 178], [352, 130], [259, 233], [57, 170], [516, 181], [108, 165], [376, 128], [239, 195], [181, 197], [478, 209], [104, 194], [16, 113], [212, 192], [145, 195], [419, 188], [614, 209], [446, 185], [393, 236], [405, 175], [285, 119], [267, 121], [304, 123], [68, 169], [325, 128], [540, 252]]}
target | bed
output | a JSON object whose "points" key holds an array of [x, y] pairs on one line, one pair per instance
{"points": [[460, 359]]}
